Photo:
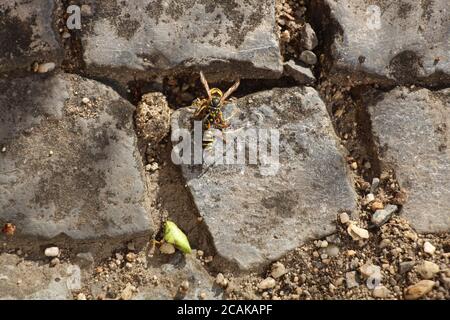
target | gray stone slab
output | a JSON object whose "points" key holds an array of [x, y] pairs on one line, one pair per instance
{"points": [[69, 167], [411, 130], [257, 212], [397, 41], [227, 37]]}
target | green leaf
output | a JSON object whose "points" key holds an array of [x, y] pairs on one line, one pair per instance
{"points": [[173, 235]]}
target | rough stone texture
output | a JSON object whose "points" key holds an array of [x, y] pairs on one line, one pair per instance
{"points": [[69, 167], [152, 118], [411, 130], [256, 213], [181, 268], [27, 34], [226, 37], [301, 74], [400, 41], [23, 279]]}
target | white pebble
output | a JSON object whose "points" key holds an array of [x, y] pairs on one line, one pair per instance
{"points": [[46, 67], [429, 248], [51, 252], [356, 232], [344, 217]]}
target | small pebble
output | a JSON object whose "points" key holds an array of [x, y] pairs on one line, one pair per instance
{"points": [[221, 280], [127, 293], [46, 67], [81, 296], [419, 289], [278, 270], [51, 252], [380, 217], [152, 167], [332, 250], [370, 270], [267, 283], [374, 185], [130, 257], [406, 266], [344, 218], [380, 292], [429, 248], [351, 253], [376, 205], [357, 233], [308, 57], [369, 198], [350, 279], [427, 269]]}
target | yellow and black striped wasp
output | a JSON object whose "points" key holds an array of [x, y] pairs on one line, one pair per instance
{"points": [[209, 110]]}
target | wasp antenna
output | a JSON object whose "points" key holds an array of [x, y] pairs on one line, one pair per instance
{"points": [[205, 84], [230, 91]]}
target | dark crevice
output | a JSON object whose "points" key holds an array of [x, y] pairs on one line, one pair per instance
{"points": [[73, 61]]}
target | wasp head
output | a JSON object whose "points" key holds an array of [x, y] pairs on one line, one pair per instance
{"points": [[215, 102]]}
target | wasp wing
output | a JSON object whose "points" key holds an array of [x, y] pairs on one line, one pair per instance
{"points": [[205, 84]]}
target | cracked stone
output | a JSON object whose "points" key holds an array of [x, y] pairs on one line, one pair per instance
{"points": [[411, 130], [95, 174], [367, 44], [223, 39], [257, 213]]}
